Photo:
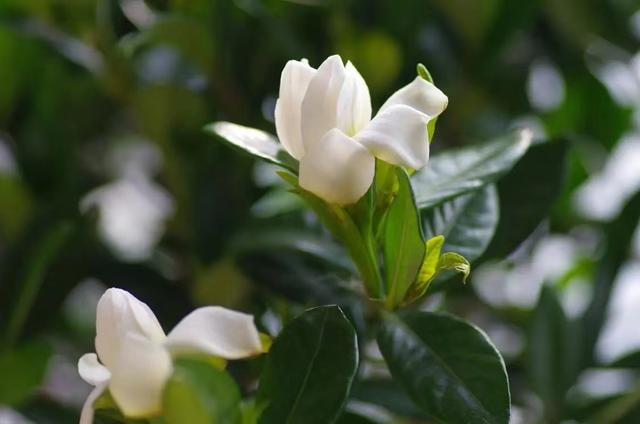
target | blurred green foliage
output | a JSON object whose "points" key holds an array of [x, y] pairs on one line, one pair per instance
{"points": [[114, 94]]}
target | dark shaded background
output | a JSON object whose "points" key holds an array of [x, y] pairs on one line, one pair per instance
{"points": [[106, 178]]}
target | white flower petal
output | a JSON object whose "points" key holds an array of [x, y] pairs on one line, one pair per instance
{"points": [[398, 135], [92, 371], [118, 314], [421, 95], [320, 103], [293, 86], [141, 369], [338, 169], [217, 331], [86, 416], [354, 102]]}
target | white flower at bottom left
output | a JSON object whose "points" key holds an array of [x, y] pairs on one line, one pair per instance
{"points": [[133, 358]]}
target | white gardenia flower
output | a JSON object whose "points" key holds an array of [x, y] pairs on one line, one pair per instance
{"points": [[323, 119], [133, 358]]}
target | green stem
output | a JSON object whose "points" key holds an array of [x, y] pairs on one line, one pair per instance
{"points": [[34, 277], [366, 259]]}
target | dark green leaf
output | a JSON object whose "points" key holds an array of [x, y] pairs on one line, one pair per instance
{"points": [[309, 370], [404, 246], [388, 394], [22, 371], [44, 410], [276, 202], [352, 418], [199, 393], [255, 142], [16, 206], [623, 409], [449, 367], [552, 369], [45, 252], [459, 171], [467, 222], [190, 38], [286, 239], [527, 194], [629, 360], [619, 235]]}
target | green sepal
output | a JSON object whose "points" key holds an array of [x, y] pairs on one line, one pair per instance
{"points": [[385, 189], [434, 263], [456, 262], [429, 267], [403, 246], [424, 73], [105, 409]]}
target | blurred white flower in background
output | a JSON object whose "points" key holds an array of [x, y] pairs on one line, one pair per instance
{"points": [[598, 383], [132, 209], [604, 194], [9, 416], [7, 162], [620, 333], [132, 215], [505, 285], [545, 86]]}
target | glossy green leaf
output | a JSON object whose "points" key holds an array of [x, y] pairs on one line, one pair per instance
{"points": [[467, 222], [309, 370], [404, 248], [199, 393], [353, 418], [387, 393], [255, 142], [22, 371], [455, 172], [449, 367]]}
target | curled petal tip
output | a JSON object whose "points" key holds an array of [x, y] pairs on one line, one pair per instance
{"points": [[216, 331]]}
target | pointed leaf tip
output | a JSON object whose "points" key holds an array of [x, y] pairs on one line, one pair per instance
{"points": [[424, 73]]}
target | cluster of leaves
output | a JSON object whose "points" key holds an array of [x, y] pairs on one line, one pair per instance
{"points": [[83, 77]]}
